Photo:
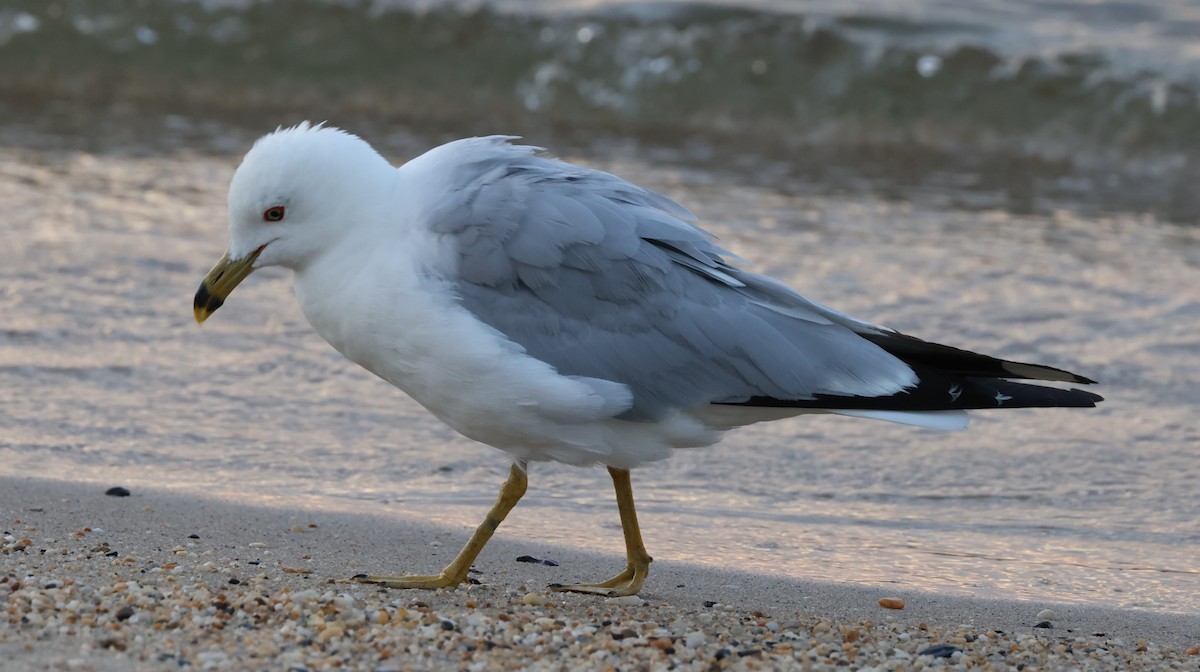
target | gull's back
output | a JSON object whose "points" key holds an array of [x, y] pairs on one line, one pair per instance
{"points": [[603, 279]]}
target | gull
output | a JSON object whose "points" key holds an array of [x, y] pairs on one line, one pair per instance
{"points": [[558, 312]]}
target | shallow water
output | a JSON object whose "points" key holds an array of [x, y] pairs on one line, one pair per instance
{"points": [[1022, 104], [105, 378]]}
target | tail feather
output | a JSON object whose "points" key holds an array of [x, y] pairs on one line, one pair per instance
{"points": [[952, 379]]}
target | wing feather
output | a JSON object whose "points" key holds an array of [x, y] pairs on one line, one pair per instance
{"points": [[605, 280]]}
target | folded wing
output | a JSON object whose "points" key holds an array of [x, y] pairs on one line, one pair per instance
{"points": [[603, 279]]}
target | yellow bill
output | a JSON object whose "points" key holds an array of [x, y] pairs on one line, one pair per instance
{"points": [[220, 281]]}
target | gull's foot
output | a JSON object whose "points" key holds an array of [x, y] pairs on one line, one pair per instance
{"points": [[628, 582], [421, 582]]}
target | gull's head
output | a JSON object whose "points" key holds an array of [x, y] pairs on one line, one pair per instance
{"points": [[296, 194]]}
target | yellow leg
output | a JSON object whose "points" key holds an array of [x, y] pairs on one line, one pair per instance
{"points": [[456, 572], [637, 565]]}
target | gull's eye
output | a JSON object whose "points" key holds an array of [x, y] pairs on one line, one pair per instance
{"points": [[273, 214]]}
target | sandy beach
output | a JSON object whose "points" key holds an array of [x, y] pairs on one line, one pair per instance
{"points": [[162, 580]]}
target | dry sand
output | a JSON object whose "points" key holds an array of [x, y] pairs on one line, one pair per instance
{"points": [[163, 580]]}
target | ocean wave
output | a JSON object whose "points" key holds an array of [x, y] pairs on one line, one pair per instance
{"points": [[858, 87]]}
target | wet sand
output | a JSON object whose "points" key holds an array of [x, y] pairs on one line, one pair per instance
{"points": [[252, 426]]}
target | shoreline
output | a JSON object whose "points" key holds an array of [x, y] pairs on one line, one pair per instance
{"points": [[161, 578]]}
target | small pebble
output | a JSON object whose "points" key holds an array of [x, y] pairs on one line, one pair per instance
{"points": [[533, 599], [1047, 615], [625, 601], [891, 603], [1044, 625], [940, 651], [537, 561], [117, 492]]}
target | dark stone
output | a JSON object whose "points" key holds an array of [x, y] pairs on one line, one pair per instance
{"points": [[112, 643], [234, 582], [193, 536], [1044, 624], [940, 651], [124, 613], [447, 625], [117, 492], [709, 604]]}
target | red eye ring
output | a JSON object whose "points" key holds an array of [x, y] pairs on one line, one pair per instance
{"points": [[274, 213]]}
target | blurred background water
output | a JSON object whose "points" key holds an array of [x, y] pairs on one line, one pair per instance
{"points": [[1020, 104], [1008, 175]]}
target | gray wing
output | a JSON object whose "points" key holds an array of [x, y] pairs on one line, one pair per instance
{"points": [[603, 279]]}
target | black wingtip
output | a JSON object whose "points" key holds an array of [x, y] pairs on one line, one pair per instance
{"points": [[916, 352], [939, 391]]}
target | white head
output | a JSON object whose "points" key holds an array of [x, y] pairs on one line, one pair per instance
{"points": [[296, 189], [294, 195]]}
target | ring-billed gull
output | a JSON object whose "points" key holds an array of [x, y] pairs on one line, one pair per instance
{"points": [[561, 313]]}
